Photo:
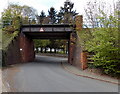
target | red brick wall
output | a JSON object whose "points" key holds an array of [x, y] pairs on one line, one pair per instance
{"points": [[84, 60], [27, 48], [71, 48], [76, 56], [80, 57], [12, 54]]}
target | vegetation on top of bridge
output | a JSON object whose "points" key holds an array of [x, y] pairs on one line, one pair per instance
{"points": [[7, 38], [48, 25]]}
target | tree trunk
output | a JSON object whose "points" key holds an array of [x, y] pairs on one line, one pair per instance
{"points": [[54, 50], [45, 49], [37, 50], [41, 49], [50, 50], [64, 50]]}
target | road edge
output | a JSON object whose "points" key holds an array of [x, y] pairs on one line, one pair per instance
{"points": [[87, 76]]}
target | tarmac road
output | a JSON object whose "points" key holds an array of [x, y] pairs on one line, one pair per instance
{"points": [[45, 74]]}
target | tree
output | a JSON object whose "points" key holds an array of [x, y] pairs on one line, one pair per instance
{"points": [[103, 42], [41, 44], [16, 13], [52, 15], [41, 17], [25, 20], [28, 12], [33, 21], [67, 14], [93, 10]]}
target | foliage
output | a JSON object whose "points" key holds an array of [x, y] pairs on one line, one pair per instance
{"points": [[46, 20], [52, 15], [96, 9], [53, 19], [103, 42], [66, 13], [56, 44], [105, 46], [14, 14], [6, 41], [25, 20], [41, 43], [41, 17], [7, 38]]}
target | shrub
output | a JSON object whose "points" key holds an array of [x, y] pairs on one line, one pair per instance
{"points": [[9, 29], [104, 43]]}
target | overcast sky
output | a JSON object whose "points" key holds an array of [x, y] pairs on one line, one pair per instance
{"points": [[40, 5]]}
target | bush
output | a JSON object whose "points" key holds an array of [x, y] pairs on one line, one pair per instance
{"points": [[9, 29], [104, 43]]}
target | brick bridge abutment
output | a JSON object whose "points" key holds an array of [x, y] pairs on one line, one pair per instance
{"points": [[75, 56]]}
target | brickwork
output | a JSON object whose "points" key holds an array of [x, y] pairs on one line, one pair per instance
{"points": [[12, 55], [70, 56], [75, 50], [22, 49], [76, 53], [80, 57], [84, 60], [26, 48], [71, 48], [79, 22]]}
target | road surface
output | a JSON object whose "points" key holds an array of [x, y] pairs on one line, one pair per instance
{"points": [[46, 74]]}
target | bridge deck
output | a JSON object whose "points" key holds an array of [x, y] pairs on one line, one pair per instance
{"points": [[48, 35], [56, 31]]}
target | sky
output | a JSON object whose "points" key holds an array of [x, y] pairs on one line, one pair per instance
{"points": [[39, 5]]}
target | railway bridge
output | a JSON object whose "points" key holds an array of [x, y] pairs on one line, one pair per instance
{"points": [[51, 31]]}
